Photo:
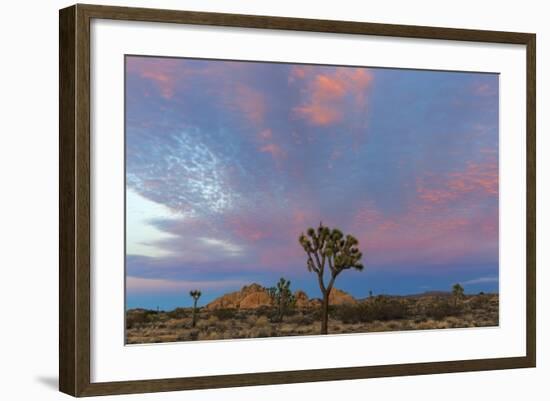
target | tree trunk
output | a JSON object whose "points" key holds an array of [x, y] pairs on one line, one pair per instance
{"points": [[194, 322], [324, 313]]}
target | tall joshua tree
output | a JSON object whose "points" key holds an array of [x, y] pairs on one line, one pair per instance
{"points": [[195, 294], [326, 246], [282, 297], [458, 293]]}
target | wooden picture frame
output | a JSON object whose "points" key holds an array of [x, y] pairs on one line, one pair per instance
{"points": [[74, 199]]}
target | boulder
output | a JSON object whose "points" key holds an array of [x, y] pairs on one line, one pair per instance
{"points": [[339, 297]]}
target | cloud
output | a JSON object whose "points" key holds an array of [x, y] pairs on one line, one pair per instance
{"points": [[476, 178], [265, 134], [218, 244], [164, 72], [274, 150], [453, 217], [481, 280], [236, 160], [141, 235], [485, 89], [327, 92], [249, 101], [155, 285], [180, 170]]}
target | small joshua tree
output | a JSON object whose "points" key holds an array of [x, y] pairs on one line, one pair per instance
{"points": [[195, 294], [458, 293], [329, 246], [282, 298]]}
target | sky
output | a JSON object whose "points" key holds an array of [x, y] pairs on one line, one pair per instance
{"points": [[227, 162]]}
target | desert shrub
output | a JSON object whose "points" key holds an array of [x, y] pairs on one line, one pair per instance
{"points": [[479, 302], [349, 313], [139, 317], [441, 308], [301, 319], [225, 314], [264, 311], [383, 308], [241, 315], [178, 313], [379, 308], [262, 321], [317, 313], [212, 320], [262, 333]]}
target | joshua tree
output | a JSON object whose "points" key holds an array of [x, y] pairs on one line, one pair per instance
{"points": [[325, 246], [195, 294], [282, 297], [458, 293]]}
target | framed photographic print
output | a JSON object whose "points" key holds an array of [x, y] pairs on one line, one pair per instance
{"points": [[250, 200]]}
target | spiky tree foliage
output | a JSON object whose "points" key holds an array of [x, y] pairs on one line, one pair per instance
{"points": [[282, 298], [195, 294], [458, 293], [330, 248]]}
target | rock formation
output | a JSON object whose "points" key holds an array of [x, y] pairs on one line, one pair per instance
{"points": [[255, 296], [249, 297], [339, 297]]}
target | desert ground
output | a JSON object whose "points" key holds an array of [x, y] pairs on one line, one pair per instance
{"points": [[248, 314]]}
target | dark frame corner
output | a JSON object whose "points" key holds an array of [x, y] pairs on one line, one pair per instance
{"points": [[74, 199]]}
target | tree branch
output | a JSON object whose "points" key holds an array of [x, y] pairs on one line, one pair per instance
{"points": [[331, 264], [315, 269], [321, 283], [331, 282], [321, 266]]}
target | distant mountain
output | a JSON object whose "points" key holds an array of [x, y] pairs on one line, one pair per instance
{"points": [[430, 294], [419, 295]]}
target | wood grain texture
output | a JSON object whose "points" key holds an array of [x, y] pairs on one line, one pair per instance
{"points": [[74, 199], [67, 296], [531, 201]]}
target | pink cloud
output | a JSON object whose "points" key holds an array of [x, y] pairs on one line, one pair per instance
{"points": [[475, 178], [152, 285], [298, 72], [441, 225], [274, 150], [247, 229], [484, 89], [164, 72], [265, 134], [250, 102], [433, 237], [326, 93]]}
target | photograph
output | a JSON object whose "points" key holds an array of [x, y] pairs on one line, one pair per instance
{"points": [[269, 199]]}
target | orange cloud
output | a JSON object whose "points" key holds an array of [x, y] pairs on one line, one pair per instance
{"points": [[298, 72], [326, 93], [274, 150], [317, 114]]}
